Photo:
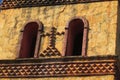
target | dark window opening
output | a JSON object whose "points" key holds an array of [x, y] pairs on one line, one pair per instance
{"points": [[29, 40], [75, 38]]}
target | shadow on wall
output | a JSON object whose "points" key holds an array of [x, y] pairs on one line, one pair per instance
{"points": [[117, 75]]}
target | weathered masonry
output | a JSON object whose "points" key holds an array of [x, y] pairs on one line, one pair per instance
{"points": [[60, 40]]}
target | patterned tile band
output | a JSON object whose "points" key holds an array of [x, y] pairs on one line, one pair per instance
{"points": [[55, 69], [8, 4]]}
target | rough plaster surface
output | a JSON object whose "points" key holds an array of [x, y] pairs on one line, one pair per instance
{"points": [[109, 77], [102, 18]]}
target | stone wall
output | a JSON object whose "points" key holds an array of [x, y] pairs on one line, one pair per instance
{"points": [[102, 18]]}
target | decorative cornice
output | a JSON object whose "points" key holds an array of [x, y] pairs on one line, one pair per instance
{"points": [[54, 67], [9, 4]]}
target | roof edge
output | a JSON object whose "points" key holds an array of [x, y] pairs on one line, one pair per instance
{"points": [[11, 4]]}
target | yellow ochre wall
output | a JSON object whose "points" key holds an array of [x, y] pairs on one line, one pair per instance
{"points": [[109, 77], [102, 18]]}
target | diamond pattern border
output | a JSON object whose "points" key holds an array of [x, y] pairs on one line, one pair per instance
{"points": [[8, 4], [58, 69], [55, 68]]}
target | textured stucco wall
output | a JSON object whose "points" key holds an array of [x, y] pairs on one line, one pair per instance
{"points": [[102, 18], [109, 77]]}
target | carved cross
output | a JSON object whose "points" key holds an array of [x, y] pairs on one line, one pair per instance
{"points": [[51, 50], [52, 36]]}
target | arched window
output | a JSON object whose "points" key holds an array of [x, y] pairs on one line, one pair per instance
{"points": [[30, 40], [76, 37]]}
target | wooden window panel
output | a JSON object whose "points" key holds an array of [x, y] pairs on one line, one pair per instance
{"points": [[30, 40], [68, 49]]}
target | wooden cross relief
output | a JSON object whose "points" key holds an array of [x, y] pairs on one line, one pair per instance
{"points": [[51, 50]]}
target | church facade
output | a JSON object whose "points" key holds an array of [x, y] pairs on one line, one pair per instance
{"points": [[59, 40]]}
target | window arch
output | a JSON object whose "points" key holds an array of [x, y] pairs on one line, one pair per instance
{"points": [[76, 34], [30, 39]]}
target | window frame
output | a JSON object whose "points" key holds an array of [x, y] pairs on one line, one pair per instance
{"points": [[38, 39], [85, 36]]}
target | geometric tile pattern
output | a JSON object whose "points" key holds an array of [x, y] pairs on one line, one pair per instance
{"points": [[57, 69], [7, 4], [50, 52]]}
